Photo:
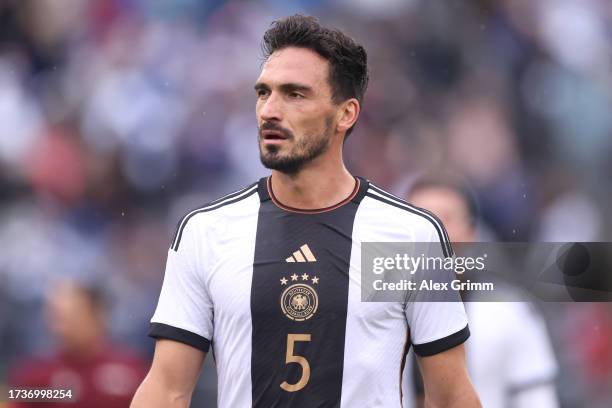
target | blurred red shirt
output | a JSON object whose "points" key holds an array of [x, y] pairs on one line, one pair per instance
{"points": [[107, 379]]}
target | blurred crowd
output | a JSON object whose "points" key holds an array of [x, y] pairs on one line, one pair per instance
{"points": [[117, 116]]}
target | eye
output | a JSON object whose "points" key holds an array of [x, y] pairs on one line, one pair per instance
{"points": [[261, 92], [296, 95]]}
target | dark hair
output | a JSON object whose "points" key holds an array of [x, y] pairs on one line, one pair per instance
{"points": [[348, 70], [452, 184], [96, 294]]}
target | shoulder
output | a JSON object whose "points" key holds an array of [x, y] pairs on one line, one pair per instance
{"points": [[203, 215], [395, 210]]}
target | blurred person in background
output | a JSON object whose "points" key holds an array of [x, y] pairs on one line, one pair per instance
{"points": [[509, 355], [115, 112], [99, 372]]}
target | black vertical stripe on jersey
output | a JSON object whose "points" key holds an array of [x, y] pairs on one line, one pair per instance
{"points": [[279, 234]]}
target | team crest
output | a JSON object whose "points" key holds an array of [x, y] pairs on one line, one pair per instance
{"points": [[299, 301]]}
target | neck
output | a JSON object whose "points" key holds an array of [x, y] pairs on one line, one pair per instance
{"points": [[84, 351], [321, 183]]}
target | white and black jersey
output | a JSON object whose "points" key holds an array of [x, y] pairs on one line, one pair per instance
{"points": [[276, 292]]}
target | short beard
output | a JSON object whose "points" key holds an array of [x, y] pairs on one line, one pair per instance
{"points": [[308, 151]]}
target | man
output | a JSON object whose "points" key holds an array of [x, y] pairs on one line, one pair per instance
{"points": [[98, 372], [268, 278], [510, 358]]}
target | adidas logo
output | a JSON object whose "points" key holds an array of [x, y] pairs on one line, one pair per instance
{"points": [[304, 254]]}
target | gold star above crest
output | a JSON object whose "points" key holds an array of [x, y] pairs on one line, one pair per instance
{"points": [[315, 280], [294, 277], [305, 276], [283, 281]]}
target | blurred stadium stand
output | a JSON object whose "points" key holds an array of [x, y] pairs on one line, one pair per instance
{"points": [[117, 116]]}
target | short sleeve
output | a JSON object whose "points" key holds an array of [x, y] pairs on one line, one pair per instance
{"points": [[185, 310], [436, 326]]}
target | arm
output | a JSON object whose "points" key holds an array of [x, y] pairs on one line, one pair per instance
{"points": [[446, 380], [182, 324], [172, 377]]}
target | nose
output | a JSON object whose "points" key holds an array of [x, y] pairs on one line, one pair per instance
{"points": [[270, 109]]}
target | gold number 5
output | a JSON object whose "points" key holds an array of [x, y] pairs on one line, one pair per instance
{"points": [[291, 339]]}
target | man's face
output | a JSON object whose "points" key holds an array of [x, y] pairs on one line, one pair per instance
{"points": [[71, 317], [295, 111], [450, 207]]}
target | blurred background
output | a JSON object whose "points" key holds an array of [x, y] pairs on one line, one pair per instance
{"points": [[117, 116]]}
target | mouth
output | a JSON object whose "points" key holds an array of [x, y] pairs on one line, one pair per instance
{"points": [[272, 135]]}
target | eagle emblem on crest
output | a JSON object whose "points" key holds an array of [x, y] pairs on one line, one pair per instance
{"points": [[299, 302]]}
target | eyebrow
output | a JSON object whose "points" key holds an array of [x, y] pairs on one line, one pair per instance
{"points": [[288, 87]]}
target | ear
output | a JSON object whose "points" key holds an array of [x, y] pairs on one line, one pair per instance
{"points": [[347, 115]]}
